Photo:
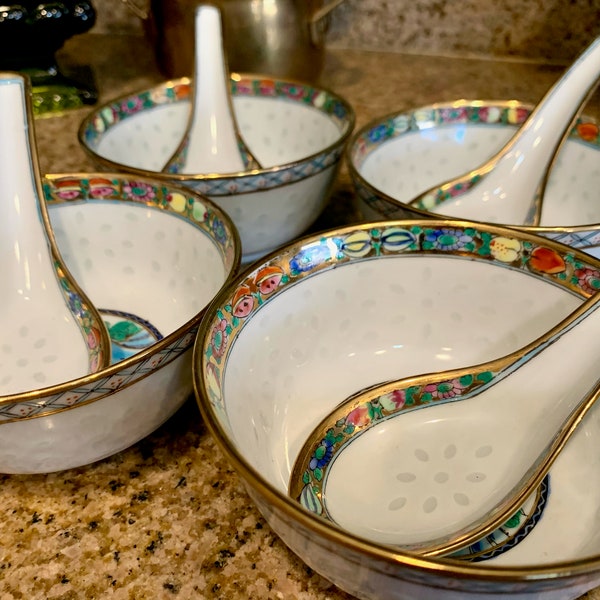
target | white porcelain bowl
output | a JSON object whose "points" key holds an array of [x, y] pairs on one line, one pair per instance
{"points": [[150, 257], [395, 158], [296, 131], [299, 331]]}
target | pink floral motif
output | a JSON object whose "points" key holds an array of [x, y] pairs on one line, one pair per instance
{"points": [[138, 190], [68, 189], [453, 115], [293, 91], [101, 187], [457, 190], [359, 416], [132, 105], [267, 88], [68, 194], [218, 338], [445, 390], [588, 279], [393, 401], [243, 87]]}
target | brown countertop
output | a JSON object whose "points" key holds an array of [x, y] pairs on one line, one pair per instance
{"points": [[169, 518]]}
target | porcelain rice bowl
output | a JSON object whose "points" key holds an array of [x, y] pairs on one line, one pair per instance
{"points": [[302, 329], [296, 131], [394, 158], [150, 256]]}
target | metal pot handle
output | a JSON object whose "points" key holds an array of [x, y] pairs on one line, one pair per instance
{"points": [[317, 22], [140, 9]]}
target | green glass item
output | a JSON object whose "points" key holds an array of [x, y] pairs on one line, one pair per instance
{"points": [[31, 33]]}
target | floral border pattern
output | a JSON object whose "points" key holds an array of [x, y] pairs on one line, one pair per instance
{"points": [[562, 267], [86, 319], [107, 187], [513, 532], [336, 108], [557, 265], [584, 130]]}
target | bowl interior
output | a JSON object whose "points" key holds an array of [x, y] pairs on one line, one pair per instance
{"points": [[149, 265], [325, 319], [282, 127], [364, 323], [405, 155]]}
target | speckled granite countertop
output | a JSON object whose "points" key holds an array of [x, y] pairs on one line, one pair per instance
{"points": [[168, 518]]}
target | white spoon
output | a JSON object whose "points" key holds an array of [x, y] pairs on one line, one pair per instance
{"points": [[51, 333], [212, 142], [437, 479], [509, 187]]}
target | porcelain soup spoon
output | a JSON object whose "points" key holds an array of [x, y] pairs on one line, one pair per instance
{"points": [[51, 333], [434, 481], [509, 187], [212, 142]]}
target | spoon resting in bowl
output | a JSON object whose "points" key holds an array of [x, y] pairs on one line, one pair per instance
{"points": [[211, 142], [51, 332], [509, 187], [434, 481]]}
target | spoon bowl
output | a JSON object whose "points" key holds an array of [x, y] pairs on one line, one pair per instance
{"points": [[297, 332], [51, 331], [499, 476]]}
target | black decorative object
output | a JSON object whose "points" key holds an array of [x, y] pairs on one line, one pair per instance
{"points": [[31, 32]]}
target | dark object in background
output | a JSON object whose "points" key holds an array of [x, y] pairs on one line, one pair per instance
{"points": [[31, 32]]}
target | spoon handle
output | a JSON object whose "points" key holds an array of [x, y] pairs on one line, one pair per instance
{"points": [[46, 313], [212, 142], [540, 407], [512, 182]]}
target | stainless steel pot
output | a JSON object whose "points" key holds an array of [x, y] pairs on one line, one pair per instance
{"points": [[282, 38]]}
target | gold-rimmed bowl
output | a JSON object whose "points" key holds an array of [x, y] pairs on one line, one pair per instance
{"points": [[310, 324], [151, 257], [296, 131], [396, 157]]}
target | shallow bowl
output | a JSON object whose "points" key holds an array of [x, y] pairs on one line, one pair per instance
{"points": [[150, 257], [395, 158], [302, 329], [296, 131]]}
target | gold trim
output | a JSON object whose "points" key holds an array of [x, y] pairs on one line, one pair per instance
{"points": [[388, 557], [419, 212], [190, 179], [251, 162], [127, 363], [54, 411], [532, 478], [104, 343]]}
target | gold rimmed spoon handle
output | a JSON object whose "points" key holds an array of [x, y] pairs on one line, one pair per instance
{"points": [[509, 188], [212, 142], [507, 386], [52, 331]]}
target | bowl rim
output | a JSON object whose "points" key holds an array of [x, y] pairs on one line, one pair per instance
{"points": [[395, 558], [37, 395], [402, 207], [349, 122]]}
